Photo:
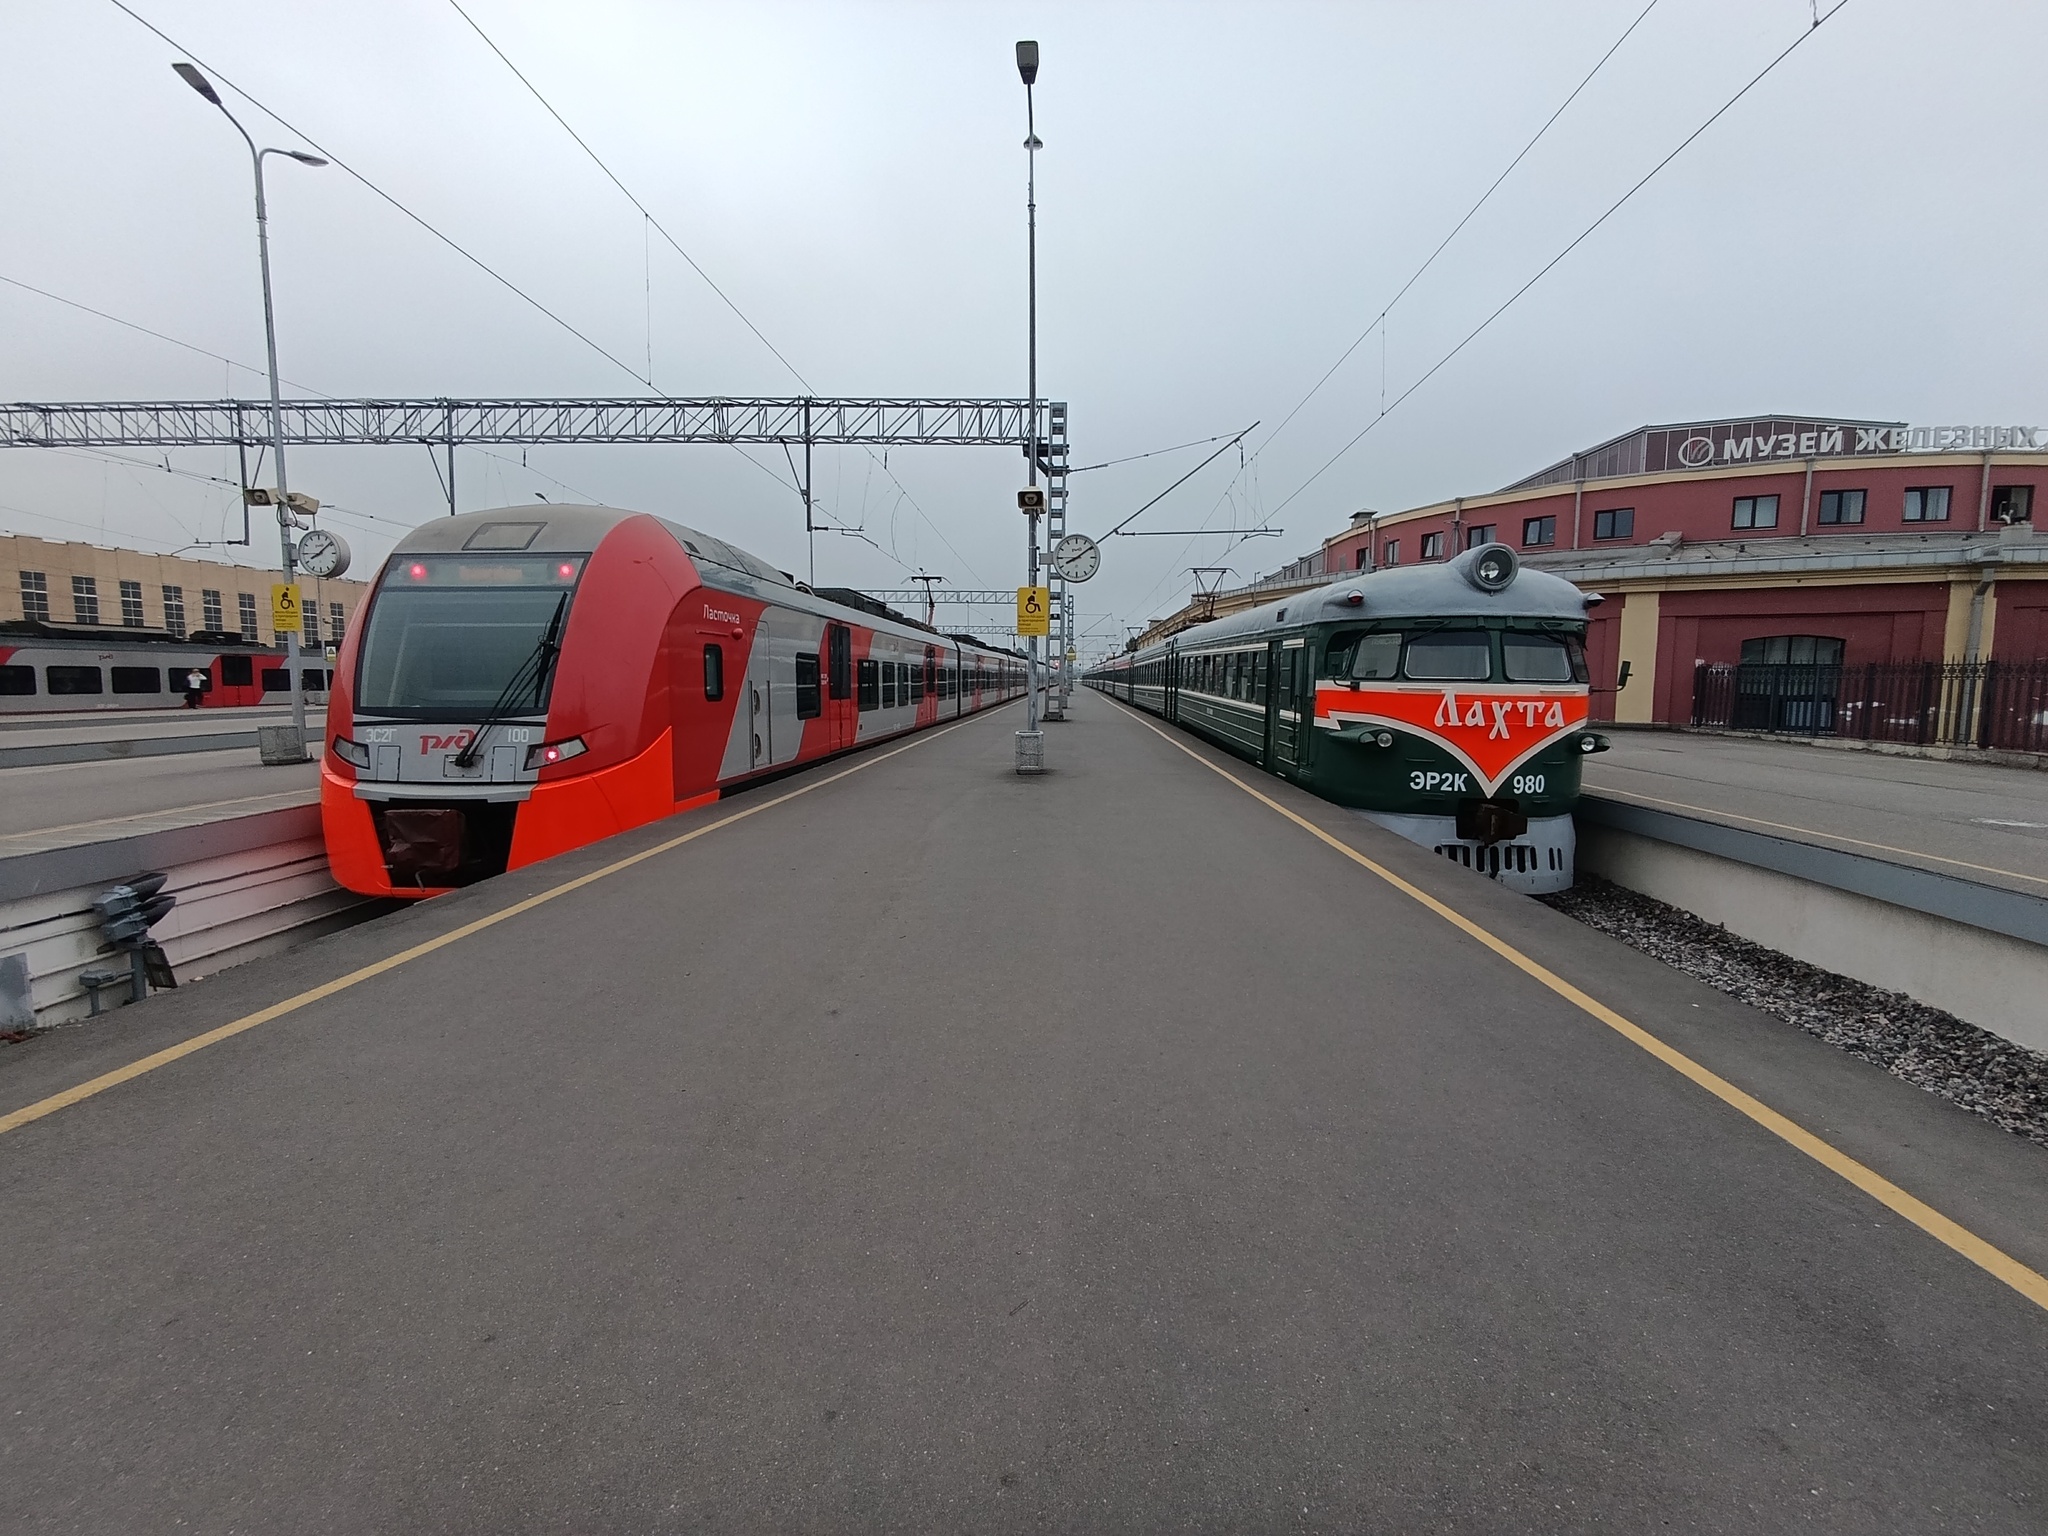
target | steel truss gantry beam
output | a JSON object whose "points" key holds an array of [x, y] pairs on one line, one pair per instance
{"points": [[1003, 595], [447, 422]]}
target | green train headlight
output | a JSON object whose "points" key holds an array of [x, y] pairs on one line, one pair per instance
{"points": [[1592, 742]]}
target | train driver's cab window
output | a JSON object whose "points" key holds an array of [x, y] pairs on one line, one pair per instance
{"points": [[714, 671], [1450, 656], [1542, 658], [808, 704], [870, 675], [1792, 650], [1377, 656]]}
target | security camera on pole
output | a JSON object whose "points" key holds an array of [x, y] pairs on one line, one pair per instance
{"points": [[1033, 601]]}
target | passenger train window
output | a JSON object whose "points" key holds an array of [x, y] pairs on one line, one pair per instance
{"points": [[1542, 659], [888, 685], [870, 684], [1377, 656], [1450, 656], [18, 681], [916, 683], [714, 671], [72, 679], [276, 680], [839, 648], [808, 705], [138, 679]]}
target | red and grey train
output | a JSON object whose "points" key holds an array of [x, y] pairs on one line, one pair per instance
{"points": [[45, 669], [525, 681]]}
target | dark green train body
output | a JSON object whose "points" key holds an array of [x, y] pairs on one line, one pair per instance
{"points": [[1448, 702]]}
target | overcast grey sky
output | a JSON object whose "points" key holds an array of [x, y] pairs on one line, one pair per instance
{"points": [[1228, 195]]}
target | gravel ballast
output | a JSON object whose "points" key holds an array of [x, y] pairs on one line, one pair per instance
{"points": [[1984, 1073]]}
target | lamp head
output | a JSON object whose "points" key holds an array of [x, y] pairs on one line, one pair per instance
{"points": [[197, 81], [305, 159], [1027, 62]]}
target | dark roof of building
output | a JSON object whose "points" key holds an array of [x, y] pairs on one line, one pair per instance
{"points": [[1650, 450]]}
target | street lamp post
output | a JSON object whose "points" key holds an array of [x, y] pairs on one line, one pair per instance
{"points": [[1030, 742], [204, 87]]}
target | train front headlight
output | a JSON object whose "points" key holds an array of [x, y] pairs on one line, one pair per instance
{"points": [[549, 753], [352, 752], [1592, 742]]}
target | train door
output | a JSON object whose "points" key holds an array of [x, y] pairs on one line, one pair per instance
{"points": [[760, 699], [1286, 712], [1170, 706], [841, 711]]}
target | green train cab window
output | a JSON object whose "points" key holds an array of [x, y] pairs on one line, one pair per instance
{"points": [[1542, 658], [1450, 656], [1377, 656]]}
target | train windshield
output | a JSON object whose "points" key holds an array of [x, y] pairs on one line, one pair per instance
{"points": [[457, 637], [1450, 656], [1542, 658]]}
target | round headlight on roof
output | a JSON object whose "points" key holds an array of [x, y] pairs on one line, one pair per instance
{"points": [[1493, 568]]}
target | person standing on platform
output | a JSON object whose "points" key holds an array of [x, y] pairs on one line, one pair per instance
{"points": [[195, 688]]}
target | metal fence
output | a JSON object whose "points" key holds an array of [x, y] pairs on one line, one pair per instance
{"points": [[1990, 704]]}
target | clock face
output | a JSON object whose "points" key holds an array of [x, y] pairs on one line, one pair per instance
{"points": [[1076, 557], [321, 554]]}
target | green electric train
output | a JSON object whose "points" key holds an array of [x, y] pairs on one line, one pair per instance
{"points": [[1448, 702]]}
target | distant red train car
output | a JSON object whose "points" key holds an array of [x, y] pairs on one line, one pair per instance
{"points": [[45, 669], [526, 681]]}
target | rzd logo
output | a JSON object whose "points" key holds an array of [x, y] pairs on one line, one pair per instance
{"points": [[453, 743]]}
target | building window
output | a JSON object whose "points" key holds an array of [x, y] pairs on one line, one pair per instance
{"points": [[85, 599], [245, 610], [1432, 546], [337, 623], [35, 596], [1539, 530], [174, 611], [1756, 512], [1792, 650], [1841, 506], [2012, 504], [1617, 523], [714, 671], [131, 606], [1358, 558], [209, 611], [1927, 504], [1481, 534], [1391, 552], [309, 625]]}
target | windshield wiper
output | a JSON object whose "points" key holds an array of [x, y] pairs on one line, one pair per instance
{"points": [[539, 661]]}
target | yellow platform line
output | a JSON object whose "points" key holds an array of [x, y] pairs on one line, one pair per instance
{"points": [[30, 1113], [1994, 1261]]}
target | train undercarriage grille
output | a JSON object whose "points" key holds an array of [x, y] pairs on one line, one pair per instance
{"points": [[1509, 858]]}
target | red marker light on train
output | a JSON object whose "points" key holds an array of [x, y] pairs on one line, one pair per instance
{"points": [[566, 571], [418, 572], [548, 753]]}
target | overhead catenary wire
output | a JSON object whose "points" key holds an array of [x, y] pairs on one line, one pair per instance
{"points": [[1576, 241], [1378, 322], [695, 266]]}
